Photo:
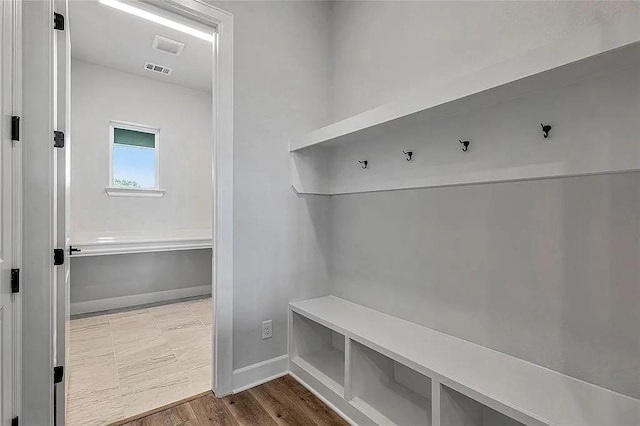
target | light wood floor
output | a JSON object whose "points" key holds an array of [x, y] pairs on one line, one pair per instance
{"points": [[279, 402], [125, 363]]}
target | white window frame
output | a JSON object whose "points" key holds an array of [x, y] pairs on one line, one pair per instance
{"points": [[118, 191]]}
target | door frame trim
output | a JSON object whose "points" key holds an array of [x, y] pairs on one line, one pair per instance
{"points": [[37, 213], [17, 201], [13, 21], [37, 198]]}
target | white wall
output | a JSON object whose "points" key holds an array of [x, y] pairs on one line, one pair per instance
{"points": [[297, 64], [282, 73], [382, 50], [99, 283], [183, 115], [545, 270]]}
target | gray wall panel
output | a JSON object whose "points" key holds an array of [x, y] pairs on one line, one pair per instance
{"points": [[102, 277]]}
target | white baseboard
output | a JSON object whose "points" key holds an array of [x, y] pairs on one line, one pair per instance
{"points": [[256, 374], [265, 371], [137, 299]]}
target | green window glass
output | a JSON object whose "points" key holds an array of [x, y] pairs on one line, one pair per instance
{"points": [[134, 138]]}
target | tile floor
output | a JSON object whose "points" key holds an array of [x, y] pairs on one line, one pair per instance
{"points": [[125, 363]]}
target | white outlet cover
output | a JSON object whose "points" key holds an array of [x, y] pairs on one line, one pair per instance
{"points": [[267, 329]]}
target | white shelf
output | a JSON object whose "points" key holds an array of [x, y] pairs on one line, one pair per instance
{"points": [[327, 366], [523, 391], [111, 243], [458, 409], [386, 391], [411, 415], [319, 351], [594, 51], [580, 85]]}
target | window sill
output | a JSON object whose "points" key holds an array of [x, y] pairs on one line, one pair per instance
{"points": [[114, 191]]}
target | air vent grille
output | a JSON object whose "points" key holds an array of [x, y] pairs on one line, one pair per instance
{"points": [[157, 68], [167, 45]]}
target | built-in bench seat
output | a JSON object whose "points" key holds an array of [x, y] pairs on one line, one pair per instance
{"points": [[110, 243], [396, 372]]}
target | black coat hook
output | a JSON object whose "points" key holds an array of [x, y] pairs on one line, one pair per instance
{"points": [[364, 163], [465, 145], [409, 154], [545, 129]]}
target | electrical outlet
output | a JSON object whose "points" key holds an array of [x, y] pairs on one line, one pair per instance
{"points": [[267, 329]]}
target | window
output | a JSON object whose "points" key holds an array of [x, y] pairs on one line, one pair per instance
{"points": [[134, 160]]}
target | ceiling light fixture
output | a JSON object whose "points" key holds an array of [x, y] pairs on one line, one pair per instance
{"points": [[167, 45], [158, 19]]}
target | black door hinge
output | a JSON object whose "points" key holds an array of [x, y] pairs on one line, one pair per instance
{"points": [[15, 128], [58, 257], [15, 281], [58, 374], [58, 21], [58, 139], [15, 421]]}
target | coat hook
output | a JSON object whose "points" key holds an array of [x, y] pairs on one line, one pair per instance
{"points": [[364, 163], [465, 145], [545, 129], [409, 154]]}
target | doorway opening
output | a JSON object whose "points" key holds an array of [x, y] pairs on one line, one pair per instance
{"points": [[140, 206]]}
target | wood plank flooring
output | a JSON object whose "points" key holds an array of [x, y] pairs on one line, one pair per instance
{"points": [[279, 402]]}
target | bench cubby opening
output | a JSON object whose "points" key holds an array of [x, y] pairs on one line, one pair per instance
{"points": [[386, 391], [319, 350], [370, 383], [457, 409]]}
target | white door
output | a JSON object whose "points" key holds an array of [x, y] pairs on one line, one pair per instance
{"points": [[6, 247], [62, 62]]}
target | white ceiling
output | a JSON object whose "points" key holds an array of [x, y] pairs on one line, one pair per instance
{"points": [[111, 38]]}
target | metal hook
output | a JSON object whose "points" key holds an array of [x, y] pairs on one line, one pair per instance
{"points": [[364, 163], [409, 154], [545, 129], [465, 146]]}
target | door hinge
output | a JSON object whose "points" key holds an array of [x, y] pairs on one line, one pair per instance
{"points": [[58, 374], [15, 421], [15, 128], [58, 139], [58, 21], [15, 280], [58, 257]]}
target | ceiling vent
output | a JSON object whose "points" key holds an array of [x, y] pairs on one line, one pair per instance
{"points": [[167, 45], [157, 68]]}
